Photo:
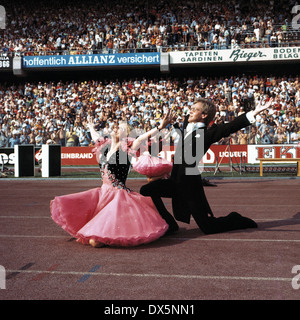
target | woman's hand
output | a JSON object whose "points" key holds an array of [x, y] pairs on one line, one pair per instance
{"points": [[167, 119], [90, 121], [150, 179]]}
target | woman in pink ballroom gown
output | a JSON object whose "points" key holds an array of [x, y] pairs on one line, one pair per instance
{"points": [[112, 214]]}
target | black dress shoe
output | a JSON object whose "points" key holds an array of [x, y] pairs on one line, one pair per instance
{"points": [[207, 183], [240, 222]]}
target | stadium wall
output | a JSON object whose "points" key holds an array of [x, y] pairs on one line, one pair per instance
{"points": [[162, 62], [234, 59], [81, 156], [175, 58]]}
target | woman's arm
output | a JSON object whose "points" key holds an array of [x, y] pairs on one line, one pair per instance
{"points": [[166, 120], [94, 134]]}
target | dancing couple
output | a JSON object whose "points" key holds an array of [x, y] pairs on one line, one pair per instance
{"points": [[114, 215]]}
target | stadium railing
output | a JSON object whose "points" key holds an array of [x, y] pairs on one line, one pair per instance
{"points": [[291, 38]]}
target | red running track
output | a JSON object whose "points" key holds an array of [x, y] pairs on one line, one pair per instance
{"points": [[43, 262]]}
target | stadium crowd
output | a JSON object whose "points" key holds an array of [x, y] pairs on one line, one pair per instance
{"points": [[80, 27], [35, 113]]}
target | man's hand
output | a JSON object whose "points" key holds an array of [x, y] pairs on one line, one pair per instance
{"points": [[260, 108]]}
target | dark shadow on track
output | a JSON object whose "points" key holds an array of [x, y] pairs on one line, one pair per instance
{"points": [[295, 220]]}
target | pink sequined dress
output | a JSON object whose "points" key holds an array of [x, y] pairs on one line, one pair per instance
{"points": [[111, 214]]}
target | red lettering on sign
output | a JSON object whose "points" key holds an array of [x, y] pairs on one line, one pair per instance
{"points": [[282, 152]]}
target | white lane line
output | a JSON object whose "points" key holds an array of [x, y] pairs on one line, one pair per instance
{"points": [[256, 205], [213, 205], [235, 239], [163, 238], [25, 205], [153, 275], [25, 217], [48, 217], [30, 236]]}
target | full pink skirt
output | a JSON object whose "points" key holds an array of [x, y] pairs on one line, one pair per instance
{"points": [[109, 215], [152, 166]]}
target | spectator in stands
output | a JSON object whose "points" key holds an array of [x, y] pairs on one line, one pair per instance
{"points": [[24, 137], [32, 137], [84, 139], [72, 138], [141, 102], [253, 136], [31, 32], [3, 139], [295, 136], [266, 136], [243, 137], [280, 135], [39, 138], [234, 138], [14, 140]]}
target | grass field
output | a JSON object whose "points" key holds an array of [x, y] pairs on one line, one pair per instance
{"points": [[92, 172]]}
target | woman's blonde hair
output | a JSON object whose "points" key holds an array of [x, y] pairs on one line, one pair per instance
{"points": [[125, 124]]}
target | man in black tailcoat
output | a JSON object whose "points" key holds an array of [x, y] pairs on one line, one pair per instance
{"points": [[185, 185]]}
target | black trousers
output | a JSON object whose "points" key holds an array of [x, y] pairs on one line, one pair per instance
{"points": [[158, 189], [165, 188]]}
